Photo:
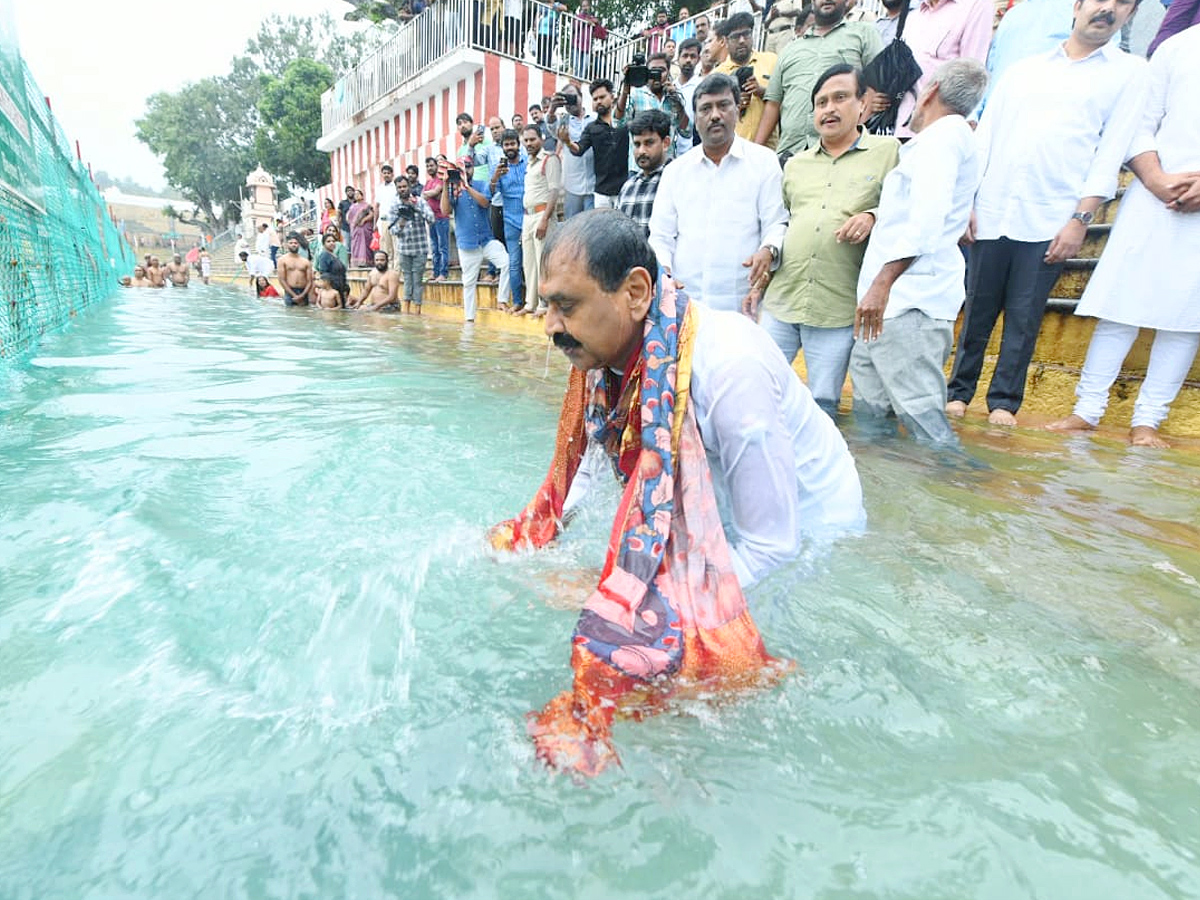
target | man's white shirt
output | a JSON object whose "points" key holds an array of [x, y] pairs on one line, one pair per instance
{"points": [[923, 211], [579, 172], [1055, 130], [709, 219], [781, 469]]}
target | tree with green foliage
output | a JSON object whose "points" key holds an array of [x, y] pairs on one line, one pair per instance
{"points": [[212, 133], [289, 109], [623, 15], [199, 133]]}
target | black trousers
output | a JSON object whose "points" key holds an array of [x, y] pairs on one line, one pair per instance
{"points": [[1010, 277]]}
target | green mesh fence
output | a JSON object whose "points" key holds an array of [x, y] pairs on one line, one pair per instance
{"points": [[59, 248]]}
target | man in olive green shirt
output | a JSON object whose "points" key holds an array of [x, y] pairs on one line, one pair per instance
{"points": [[829, 41], [831, 191]]}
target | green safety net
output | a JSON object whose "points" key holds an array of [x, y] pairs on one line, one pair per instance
{"points": [[60, 250]]}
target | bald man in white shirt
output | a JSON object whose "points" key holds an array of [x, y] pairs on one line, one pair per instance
{"points": [[910, 287]]}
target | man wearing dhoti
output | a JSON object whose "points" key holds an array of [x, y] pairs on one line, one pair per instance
{"points": [[1149, 273], [677, 397]]}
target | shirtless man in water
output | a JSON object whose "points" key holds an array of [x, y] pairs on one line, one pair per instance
{"points": [[177, 271], [383, 284], [295, 273], [154, 272], [139, 278]]}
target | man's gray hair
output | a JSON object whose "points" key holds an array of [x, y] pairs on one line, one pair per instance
{"points": [[961, 83]]}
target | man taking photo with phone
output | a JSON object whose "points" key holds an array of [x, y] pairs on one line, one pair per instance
{"points": [[579, 177], [752, 69], [608, 145], [469, 200]]}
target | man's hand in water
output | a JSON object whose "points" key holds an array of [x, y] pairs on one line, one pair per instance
{"points": [[571, 589]]}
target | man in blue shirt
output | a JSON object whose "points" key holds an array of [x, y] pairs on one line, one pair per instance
{"points": [[508, 177], [469, 200]]}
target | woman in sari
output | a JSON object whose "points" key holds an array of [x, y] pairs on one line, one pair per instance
{"points": [[328, 215], [362, 226], [330, 267]]}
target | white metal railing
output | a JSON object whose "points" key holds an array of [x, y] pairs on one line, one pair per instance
{"points": [[416, 45], [545, 35]]}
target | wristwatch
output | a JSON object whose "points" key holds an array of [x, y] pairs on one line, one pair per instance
{"points": [[774, 253], [1084, 217]]}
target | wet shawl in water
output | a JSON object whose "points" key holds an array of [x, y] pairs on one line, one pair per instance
{"points": [[668, 617]]}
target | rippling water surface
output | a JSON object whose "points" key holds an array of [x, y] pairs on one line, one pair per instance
{"points": [[251, 645]]}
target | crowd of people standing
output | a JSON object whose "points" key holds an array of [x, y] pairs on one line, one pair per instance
{"points": [[852, 217]]}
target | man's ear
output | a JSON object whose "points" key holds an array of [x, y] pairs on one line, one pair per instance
{"points": [[639, 291]]}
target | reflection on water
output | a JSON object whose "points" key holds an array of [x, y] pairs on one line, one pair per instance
{"points": [[253, 646]]}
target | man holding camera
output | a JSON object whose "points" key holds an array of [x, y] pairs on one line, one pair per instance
{"points": [[649, 86], [579, 177], [752, 69], [470, 199], [609, 146], [408, 220]]}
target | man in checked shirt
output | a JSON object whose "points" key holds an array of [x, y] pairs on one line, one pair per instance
{"points": [[650, 133]]}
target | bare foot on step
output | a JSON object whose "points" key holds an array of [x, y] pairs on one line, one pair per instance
{"points": [[956, 409], [1002, 417], [1145, 436], [1071, 423]]}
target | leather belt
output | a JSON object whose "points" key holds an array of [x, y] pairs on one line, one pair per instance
{"points": [[541, 207]]}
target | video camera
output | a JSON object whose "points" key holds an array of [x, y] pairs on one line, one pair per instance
{"points": [[637, 74]]}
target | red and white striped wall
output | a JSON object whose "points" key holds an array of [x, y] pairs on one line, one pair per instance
{"points": [[421, 124]]}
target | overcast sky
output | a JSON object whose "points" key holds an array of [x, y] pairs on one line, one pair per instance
{"points": [[98, 62]]}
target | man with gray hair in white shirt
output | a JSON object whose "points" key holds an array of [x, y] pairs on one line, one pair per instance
{"points": [[719, 221], [910, 287], [1052, 141]]}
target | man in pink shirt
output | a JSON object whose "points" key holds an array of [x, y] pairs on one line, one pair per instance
{"points": [[439, 228], [941, 30]]}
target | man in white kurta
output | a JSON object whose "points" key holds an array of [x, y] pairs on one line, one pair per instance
{"points": [[1149, 273]]}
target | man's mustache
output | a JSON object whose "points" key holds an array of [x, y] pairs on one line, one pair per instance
{"points": [[564, 341], [1106, 17]]}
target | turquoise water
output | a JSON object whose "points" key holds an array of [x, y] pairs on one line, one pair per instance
{"points": [[251, 645]]}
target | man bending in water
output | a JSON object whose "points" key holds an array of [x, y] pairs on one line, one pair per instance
{"points": [[177, 272], [295, 273], [383, 284]]}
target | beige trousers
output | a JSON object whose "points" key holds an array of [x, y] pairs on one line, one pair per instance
{"points": [[531, 249]]}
